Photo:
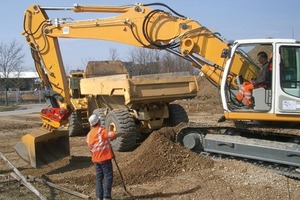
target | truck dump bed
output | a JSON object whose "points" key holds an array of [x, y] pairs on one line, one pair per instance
{"points": [[165, 87]]}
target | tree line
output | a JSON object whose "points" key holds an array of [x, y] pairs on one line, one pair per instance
{"points": [[142, 61], [149, 61]]}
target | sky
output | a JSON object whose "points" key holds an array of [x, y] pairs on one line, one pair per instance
{"points": [[233, 19]]}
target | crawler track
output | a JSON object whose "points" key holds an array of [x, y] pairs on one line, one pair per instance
{"points": [[269, 145], [285, 170]]}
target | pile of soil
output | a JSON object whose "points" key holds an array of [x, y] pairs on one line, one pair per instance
{"points": [[105, 68], [160, 156]]}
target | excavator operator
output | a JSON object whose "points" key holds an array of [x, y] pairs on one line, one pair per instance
{"points": [[263, 80]]}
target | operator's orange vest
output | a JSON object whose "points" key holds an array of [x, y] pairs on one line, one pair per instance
{"points": [[98, 140], [246, 92]]}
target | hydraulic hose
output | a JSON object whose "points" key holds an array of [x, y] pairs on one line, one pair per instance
{"points": [[164, 5]]}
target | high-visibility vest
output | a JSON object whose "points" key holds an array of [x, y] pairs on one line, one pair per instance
{"points": [[245, 92], [98, 140]]}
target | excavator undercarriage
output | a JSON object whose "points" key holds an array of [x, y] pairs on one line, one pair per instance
{"points": [[268, 142]]}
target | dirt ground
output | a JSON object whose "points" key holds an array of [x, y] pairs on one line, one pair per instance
{"points": [[157, 169]]}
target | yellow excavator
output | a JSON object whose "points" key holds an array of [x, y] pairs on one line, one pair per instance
{"points": [[267, 131]]}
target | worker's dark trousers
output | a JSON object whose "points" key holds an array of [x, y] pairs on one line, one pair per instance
{"points": [[104, 179]]}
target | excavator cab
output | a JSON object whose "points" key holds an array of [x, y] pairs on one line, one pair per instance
{"points": [[245, 67], [280, 96]]}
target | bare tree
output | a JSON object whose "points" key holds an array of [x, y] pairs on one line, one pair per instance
{"points": [[146, 61], [149, 61], [184, 65], [167, 62], [11, 60], [18, 74], [173, 63], [114, 55]]}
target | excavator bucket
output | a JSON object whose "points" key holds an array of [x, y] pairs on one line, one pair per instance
{"points": [[43, 146]]}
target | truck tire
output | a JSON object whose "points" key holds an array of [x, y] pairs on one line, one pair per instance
{"points": [[75, 125], [101, 113], [122, 121], [177, 115]]}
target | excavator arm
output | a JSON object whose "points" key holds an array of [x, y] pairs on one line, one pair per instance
{"points": [[48, 62], [137, 25]]}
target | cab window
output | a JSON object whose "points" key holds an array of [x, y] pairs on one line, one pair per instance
{"points": [[290, 70]]}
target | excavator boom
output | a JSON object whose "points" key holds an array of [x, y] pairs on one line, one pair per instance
{"points": [[137, 25]]}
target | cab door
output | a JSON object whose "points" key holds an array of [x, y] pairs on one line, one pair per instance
{"points": [[241, 68], [287, 83]]}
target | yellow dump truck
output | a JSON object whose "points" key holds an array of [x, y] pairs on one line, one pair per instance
{"points": [[134, 104]]}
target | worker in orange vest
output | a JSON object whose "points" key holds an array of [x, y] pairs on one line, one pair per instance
{"points": [[98, 140], [263, 80]]}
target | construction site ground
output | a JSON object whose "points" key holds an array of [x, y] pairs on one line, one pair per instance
{"points": [[157, 169]]}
